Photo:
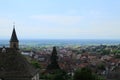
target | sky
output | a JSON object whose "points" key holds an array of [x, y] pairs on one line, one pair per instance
{"points": [[60, 19]]}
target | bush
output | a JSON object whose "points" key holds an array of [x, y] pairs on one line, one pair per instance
{"points": [[35, 64], [86, 74]]}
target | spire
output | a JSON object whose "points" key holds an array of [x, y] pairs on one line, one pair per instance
{"points": [[14, 36], [13, 24]]}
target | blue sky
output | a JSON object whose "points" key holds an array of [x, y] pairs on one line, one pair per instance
{"points": [[60, 19]]}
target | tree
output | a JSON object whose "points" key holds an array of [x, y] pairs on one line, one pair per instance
{"points": [[35, 64], [85, 74], [60, 75], [57, 75], [105, 52], [54, 63], [117, 56], [101, 66]]}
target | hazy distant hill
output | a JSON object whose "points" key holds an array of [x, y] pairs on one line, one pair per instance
{"points": [[61, 42]]}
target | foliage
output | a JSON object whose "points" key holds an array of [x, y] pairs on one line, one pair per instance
{"points": [[54, 63], [105, 52], [86, 74], [35, 64], [60, 75], [117, 56], [115, 52], [101, 66], [57, 75], [83, 74], [96, 77]]}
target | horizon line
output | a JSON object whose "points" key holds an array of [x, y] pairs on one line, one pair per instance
{"points": [[61, 39]]}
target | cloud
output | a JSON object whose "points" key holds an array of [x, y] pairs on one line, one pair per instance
{"points": [[58, 19], [58, 26], [93, 26]]}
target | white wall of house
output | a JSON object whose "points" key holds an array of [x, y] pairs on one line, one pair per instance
{"points": [[36, 77]]}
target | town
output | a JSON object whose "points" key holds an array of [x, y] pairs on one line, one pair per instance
{"points": [[102, 59], [60, 40], [88, 62]]}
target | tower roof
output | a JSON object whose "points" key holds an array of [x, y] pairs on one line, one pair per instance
{"points": [[14, 36]]}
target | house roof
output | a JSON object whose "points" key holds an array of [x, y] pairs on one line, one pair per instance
{"points": [[15, 65]]}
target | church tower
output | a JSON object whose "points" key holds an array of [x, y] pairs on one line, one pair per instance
{"points": [[14, 42]]}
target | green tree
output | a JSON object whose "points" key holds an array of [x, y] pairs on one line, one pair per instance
{"points": [[83, 74], [117, 56], [105, 52], [86, 74], [60, 75], [101, 66], [54, 62], [57, 75], [35, 64]]}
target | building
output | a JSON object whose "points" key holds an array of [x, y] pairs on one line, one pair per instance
{"points": [[13, 65], [14, 42]]}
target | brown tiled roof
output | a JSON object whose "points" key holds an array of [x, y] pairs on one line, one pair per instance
{"points": [[13, 65]]}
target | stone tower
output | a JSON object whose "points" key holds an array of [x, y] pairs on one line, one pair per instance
{"points": [[14, 42]]}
